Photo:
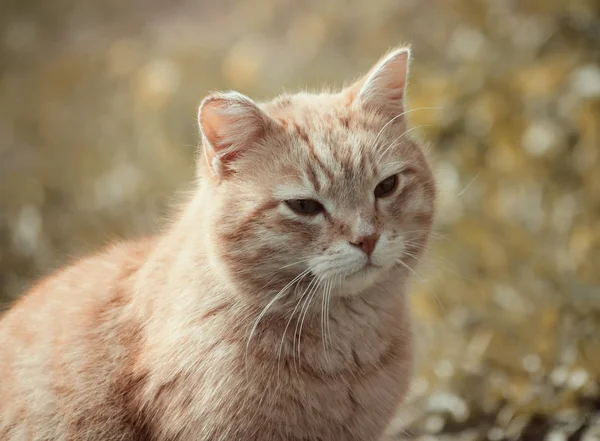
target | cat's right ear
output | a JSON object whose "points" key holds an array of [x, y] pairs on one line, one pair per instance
{"points": [[383, 89], [230, 123]]}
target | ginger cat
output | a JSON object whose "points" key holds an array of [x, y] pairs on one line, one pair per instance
{"points": [[272, 309]]}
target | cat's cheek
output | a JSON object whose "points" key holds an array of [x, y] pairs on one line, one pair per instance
{"points": [[383, 255]]}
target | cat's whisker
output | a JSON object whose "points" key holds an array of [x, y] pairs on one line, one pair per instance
{"points": [[469, 184], [406, 132], [288, 324], [328, 312], [398, 116], [438, 264], [338, 282], [324, 319], [327, 297], [412, 250], [271, 303], [401, 262], [327, 342], [295, 263], [306, 308], [432, 235], [414, 247], [421, 230], [409, 254], [415, 240], [396, 165]]}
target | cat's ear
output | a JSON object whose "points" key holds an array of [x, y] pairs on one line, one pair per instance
{"points": [[384, 88], [230, 123]]}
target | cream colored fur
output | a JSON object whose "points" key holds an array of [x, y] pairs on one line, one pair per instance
{"points": [[245, 320]]}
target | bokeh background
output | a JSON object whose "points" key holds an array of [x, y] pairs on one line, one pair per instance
{"points": [[98, 133]]}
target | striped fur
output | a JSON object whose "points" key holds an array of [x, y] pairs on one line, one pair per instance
{"points": [[244, 320]]}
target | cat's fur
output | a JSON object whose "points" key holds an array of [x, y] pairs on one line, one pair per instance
{"points": [[198, 334]]}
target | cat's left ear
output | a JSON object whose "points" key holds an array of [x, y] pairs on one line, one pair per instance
{"points": [[230, 123], [383, 89]]}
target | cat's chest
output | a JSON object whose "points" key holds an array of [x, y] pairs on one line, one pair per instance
{"points": [[296, 403], [351, 394], [335, 380]]}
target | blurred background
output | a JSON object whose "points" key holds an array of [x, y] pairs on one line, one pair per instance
{"points": [[98, 132]]}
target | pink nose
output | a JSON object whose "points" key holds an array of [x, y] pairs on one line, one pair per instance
{"points": [[367, 243]]}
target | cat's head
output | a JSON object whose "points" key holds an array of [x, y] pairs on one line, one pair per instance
{"points": [[327, 187]]}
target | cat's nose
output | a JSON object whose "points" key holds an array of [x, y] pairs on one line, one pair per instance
{"points": [[366, 243]]}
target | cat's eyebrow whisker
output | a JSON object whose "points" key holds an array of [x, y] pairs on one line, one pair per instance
{"points": [[406, 132], [398, 116], [395, 165]]}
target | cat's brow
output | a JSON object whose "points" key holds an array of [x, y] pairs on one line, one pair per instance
{"points": [[303, 134]]}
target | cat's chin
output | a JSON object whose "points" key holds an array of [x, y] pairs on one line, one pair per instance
{"points": [[360, 281]]}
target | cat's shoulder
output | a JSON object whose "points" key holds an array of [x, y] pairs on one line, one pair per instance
{"points": [[89, 278]]}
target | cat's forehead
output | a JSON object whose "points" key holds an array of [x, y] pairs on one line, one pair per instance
{"points": [[327, 144], [303, 101], [323, 125], [322, 111]]}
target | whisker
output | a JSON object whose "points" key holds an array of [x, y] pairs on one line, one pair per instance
{"points": [[421, 230], [303, 300], [266, 308], [288, 325], [437, 262], [422, 281], [338, 282], [394, 143], [432, 234], [323, 320], [307, 303], [295, 263], [398, 116], [469, 184]]}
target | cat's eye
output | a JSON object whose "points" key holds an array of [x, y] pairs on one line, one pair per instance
{"points": [[307, 207], [386, 187]]}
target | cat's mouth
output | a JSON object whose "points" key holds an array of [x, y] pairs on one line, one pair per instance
{"points": [[360, 280], [367, 268]]}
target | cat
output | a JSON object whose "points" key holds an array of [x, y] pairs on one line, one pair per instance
{"points": [[273, 308]]}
